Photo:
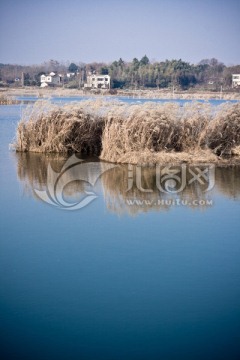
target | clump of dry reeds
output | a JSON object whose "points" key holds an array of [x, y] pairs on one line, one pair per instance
{"points": [[171, 133], [125, 133], [222, 134], [151, 131], [49, 128]]}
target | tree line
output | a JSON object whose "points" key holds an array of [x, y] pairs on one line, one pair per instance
{"points": [[136, 74]]}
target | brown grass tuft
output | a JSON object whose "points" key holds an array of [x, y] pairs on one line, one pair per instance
{"points": [[124, 133], [223, 132], [48, 128]]}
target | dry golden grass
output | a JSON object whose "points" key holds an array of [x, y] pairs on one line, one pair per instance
{"points": [[236, 150], [5, 100], [169, 133], [52, 129], [223, 132], [124, 133]]}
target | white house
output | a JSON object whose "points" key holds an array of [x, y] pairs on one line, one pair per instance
{"points": [[98, 82], [235, 80], [70, 75], [51, 79]]}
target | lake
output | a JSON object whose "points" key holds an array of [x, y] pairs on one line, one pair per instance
{"points": [[129, 100], [146, 266]]}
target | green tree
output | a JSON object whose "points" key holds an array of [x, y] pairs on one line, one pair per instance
{"points": [[37, 77], [104, 70], [73, 68], [135, 63], [144, 60], [121, 62]]}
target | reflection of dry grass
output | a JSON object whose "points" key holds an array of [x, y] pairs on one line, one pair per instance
{"points": [[32, 171], [33, 167], [117, 195], [227, 181], [123, 133], [120, 200]]}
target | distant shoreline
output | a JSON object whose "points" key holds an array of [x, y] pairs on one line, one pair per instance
{"points": [[138, 94]]}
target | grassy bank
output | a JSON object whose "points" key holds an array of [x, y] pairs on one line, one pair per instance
{"points": [[142, 133]]}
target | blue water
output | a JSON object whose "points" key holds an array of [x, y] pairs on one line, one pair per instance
{"points": [[179, 101], [111, 281], [129, 100]]}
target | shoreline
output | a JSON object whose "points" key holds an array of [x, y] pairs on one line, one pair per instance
{"points": [[176, 158], [161, 158], [138, 94]]}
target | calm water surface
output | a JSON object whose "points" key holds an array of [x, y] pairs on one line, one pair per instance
{"points": [[130, 100], [116, 279]]}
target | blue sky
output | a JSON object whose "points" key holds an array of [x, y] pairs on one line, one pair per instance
{"points": [[105, 30]]}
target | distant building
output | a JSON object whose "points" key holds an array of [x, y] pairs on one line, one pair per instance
{"points": [[51, 79], [98, 82], [70, 75], [235, 80]]}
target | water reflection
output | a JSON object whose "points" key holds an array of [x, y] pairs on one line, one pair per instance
{"points": [[127, 189]]}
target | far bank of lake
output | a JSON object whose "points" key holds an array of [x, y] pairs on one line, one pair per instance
{"points": [[192, 94]]}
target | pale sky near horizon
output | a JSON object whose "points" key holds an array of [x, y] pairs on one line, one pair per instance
{"points": [[32, 32]]}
